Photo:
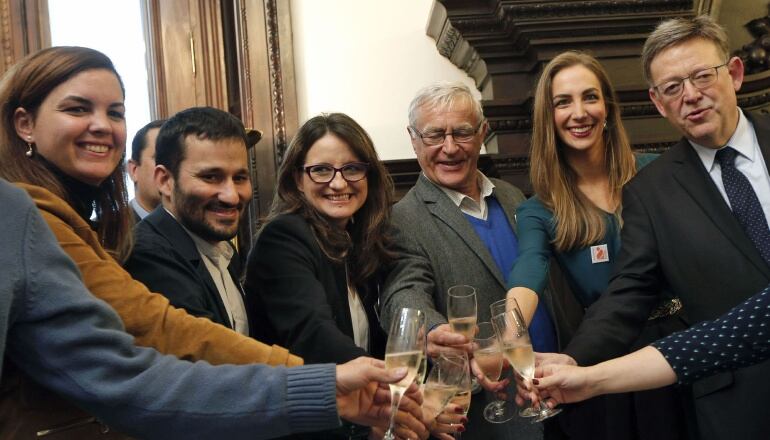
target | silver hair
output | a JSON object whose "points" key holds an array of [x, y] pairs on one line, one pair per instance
{"points": [[443, 95], [678, 30]]}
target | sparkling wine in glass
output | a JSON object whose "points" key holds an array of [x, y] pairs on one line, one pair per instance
{"points": [[462, 397], [461, 310], [404, 349], [442, 384], [497, 308], [489, 358], [511, 330]]}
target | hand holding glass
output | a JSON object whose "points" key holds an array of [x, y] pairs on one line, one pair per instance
{"points": [[489, 358], [516, 346], [442, 384]]}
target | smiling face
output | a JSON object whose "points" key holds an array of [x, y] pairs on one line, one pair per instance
{"points": [[212, 187], [579, 108], [452, 165], [80, 126], [339, 199], [707, 116]]}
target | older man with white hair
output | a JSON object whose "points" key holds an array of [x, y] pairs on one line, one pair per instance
{"points": [[456, 226]]}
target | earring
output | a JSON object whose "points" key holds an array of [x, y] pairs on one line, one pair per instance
{"points": [[30, 151], [605, 124]]}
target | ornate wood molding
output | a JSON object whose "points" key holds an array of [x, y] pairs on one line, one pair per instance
{"points": [[503, 45], [265, 57], [756, 54], [23, 29], [187, 53]]}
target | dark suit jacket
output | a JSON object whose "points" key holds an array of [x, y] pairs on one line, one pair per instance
{"points": [[298, 296], [679, 234], [166, 260]]}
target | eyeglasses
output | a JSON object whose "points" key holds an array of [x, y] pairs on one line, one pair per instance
{"points": [[436, 138], [325, 173], [700, 79]]}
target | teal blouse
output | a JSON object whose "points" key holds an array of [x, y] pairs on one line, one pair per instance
{"points": [[587, 270]]}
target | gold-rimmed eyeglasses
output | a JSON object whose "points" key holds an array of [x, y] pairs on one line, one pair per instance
{"points": [[436, 138], [700, 79]]}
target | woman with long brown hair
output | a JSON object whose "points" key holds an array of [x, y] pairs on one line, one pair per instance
{"points": [[62, 139], [580, 159], [312, 277]]}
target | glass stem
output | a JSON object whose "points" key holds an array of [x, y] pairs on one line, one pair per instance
{"points": [[395, 399]]}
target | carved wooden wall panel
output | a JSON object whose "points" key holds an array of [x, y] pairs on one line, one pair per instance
{"points": [[23, 29], [503, 45], [186, 46], [265, 71]]}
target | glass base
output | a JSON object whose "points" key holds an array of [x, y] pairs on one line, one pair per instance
{"points": [[545, 413], [498, 411], [528, 411]]}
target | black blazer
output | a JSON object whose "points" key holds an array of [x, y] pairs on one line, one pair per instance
{"points": [[166, 260], [679, 234], [298, 297]]}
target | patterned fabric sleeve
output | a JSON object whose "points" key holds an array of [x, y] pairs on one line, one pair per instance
{"points": [[736, 340]]}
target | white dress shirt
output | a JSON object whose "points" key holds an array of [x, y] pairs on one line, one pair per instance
{"points": [[216, 258], [358, 318], [749, 161], [466, 204], [140, 211]]}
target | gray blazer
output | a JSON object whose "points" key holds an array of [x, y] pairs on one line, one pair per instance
{"points": [[438, 248]]}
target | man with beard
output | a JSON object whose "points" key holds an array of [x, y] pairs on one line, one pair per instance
{"points": [[182, 248]]}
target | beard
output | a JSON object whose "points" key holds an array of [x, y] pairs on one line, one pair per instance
{"points": [[191, 212]]}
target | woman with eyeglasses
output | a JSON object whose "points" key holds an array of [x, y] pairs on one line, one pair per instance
{"points": [[312, 276], [581, 158]]}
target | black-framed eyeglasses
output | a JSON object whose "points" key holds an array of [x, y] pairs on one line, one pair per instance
{"points": [[700, 79], [436, 138], [325, 173]]}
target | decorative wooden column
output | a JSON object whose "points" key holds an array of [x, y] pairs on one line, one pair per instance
{"points": [[263, 66]]}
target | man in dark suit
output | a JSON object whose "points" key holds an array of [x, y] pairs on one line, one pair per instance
{"points": [[141, 170], [182, 248], [695, 222]]}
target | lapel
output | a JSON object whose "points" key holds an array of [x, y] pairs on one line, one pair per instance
{"points": [[690, 173], [169, 227], [344, 320], [445, 211]]}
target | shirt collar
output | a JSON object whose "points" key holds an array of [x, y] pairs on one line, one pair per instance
{"points": [[140, 211], [743, 140], [213, 252], [486, 187]]}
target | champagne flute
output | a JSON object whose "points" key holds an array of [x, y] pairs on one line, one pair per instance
{"points": [[497, 308], [489, 358], [461, 310], [515, 343], [406, 341], [442, 384], [461, 313], [462, 397]]}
